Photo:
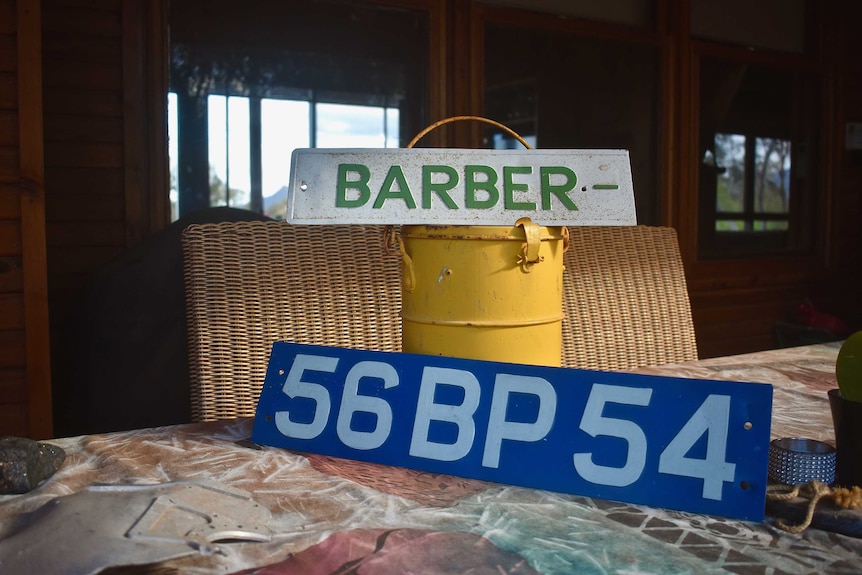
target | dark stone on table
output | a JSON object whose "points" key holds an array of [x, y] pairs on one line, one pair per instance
{"points": [[25, 464]]}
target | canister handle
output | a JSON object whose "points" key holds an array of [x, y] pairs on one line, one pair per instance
{"points": [[391, 238], [451, 119], [530, 251]]}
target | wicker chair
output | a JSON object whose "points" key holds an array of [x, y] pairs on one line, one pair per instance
{"points": [[625, 299], [249, 284]]}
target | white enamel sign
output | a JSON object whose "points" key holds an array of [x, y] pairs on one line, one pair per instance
{"points": [[461, 187]]}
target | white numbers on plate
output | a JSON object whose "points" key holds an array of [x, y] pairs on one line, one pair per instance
{"points": [[352, 402], [594, 423], [712, 419]]}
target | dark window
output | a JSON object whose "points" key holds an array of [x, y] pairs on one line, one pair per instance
{"points": [[758, 184], [604, 93], [752, 183]]}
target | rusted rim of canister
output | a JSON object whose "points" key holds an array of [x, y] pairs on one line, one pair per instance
{"points": [[483, 323], [460, 232]]}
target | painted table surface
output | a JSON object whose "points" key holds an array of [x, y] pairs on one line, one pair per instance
{"points": [[337, 516]]}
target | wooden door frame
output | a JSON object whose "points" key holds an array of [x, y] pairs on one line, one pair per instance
{"points": [[145, 137], [31, 164]]}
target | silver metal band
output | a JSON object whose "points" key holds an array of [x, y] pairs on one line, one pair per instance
{"points": [[795, 460]]}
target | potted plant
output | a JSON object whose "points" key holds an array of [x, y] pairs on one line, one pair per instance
{"points": [[846, 404]]}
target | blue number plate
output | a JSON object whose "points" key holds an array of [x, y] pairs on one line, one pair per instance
{"points": [[687, 444]]}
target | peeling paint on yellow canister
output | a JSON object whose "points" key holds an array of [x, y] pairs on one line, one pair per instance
{"points": [[484, 292]]}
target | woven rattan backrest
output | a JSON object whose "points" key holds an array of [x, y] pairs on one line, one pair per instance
{"points": [[625, 299], [249, 284]]}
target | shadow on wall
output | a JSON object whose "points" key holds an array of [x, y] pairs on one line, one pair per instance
{"points": [[124, 347]]}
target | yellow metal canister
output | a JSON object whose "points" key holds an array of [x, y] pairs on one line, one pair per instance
{"points": [[484, 292]]}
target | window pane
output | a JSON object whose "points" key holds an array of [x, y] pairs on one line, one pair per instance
{"points": [[173, 155], [349, 126], [285, 125], [230, 172], [777, 225], [730, 168], [730, 226], [393, 119], [772, 176]]}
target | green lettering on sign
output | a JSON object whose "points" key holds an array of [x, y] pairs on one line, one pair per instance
{"points": [[360, 185], [510, 187], [472, 186], [394, 175], [558, 190], [439, 188]]}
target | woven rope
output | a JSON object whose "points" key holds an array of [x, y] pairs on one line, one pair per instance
{"points": [[814, 491], [625, 299], [249, 284]]}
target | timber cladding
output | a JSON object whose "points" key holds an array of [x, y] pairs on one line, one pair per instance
{"points": [[13, 387], [25, 375], [82, 53]]}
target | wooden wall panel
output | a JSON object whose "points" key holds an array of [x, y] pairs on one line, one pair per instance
{"points": [[11, 312], [728, 322], [32, 193], [13, 389], [69, 181], [84, 102], [8, 90], [85, 207], [84, 152], [8, 95], [64, 42], [8, 18], [65, 73], [82, 18], [10, 237], [87, 63], [8, 52], [737, 313], [99, 129], [13, 416], [8, 128], [11, 275], [8, 164]]}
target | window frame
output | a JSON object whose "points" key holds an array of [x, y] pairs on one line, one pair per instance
{"points": [[433, 103], [749, 215], [801, 240]]}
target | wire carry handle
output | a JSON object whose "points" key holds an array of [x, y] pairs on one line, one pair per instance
{"points": [[452, 119], [394, 245]]}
